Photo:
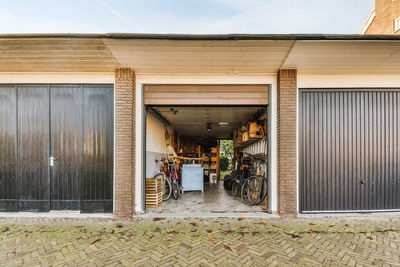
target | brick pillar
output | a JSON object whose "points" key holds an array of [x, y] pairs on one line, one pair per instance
{"points": [[124, 180], [286, 107]]}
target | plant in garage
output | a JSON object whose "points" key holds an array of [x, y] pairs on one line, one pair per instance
{"points": [[224, 163], [227, 147]]}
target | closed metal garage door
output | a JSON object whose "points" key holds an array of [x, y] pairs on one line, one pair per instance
{"points": [[56, 147], [349, 150]]}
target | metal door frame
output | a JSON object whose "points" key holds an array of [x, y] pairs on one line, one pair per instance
{"points": [[300, 142]]}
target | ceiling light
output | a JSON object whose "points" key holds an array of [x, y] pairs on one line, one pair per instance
{"points": [[223, 124], [209, 129]]}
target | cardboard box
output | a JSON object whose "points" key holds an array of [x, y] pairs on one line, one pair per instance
{"points": [[237, 137], [245, 136], [255, 130]]}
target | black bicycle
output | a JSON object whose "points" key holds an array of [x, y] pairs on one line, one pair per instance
{"points": [[254, 188]]}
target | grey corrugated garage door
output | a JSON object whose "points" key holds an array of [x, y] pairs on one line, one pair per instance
{"points": [[349, 150]]}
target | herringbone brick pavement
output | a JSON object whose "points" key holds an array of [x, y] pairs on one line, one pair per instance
{"points": [[363, 241]]}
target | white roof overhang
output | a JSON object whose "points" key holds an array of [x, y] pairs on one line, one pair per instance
{"points": [[201, 54]]}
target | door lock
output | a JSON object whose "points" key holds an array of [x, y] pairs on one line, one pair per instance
{"points": [[52, 159]]}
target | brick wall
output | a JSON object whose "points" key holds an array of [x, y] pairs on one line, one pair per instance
{"points": [[287, 179], [124, 143], [386, 12]]}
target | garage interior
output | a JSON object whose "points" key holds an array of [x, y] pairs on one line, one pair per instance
{"points": [[196, 132]]}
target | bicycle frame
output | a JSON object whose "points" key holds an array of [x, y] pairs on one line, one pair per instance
{"points": [[171, 171]]}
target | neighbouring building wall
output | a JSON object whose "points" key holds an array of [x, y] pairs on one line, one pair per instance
{"points": [[386, 11], [158, 136]]}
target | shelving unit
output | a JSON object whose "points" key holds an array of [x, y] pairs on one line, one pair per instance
{"points": [[248, 142]]}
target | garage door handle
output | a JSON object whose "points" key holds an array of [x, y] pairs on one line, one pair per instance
{"points": [[362, 182], [52, 159]]}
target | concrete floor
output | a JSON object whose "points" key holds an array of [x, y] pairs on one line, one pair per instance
{"points": [[214, 202]]}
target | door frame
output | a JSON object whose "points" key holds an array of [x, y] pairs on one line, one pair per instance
{"points": [[144, 106]]}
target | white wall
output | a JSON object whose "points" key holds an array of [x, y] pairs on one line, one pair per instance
{"points": [[156, 143], [339, 81], [155, 134], [200, 79]]}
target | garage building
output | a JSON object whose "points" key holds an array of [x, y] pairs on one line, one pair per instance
{"points": [[77, 112]]}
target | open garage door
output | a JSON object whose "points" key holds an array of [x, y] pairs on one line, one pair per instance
{"points": [[207, 126], [205, 94], [349, 150]]}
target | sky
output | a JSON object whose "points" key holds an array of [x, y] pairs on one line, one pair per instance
{"points": [[184, 16]]}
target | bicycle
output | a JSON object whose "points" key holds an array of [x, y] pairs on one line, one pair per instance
{"points": [[255, 187], [170, 178]]}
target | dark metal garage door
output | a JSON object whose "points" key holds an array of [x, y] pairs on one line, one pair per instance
{"points": [[56, 147], [349, 150]]}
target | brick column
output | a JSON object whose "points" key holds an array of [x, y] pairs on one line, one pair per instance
{"points": [[124, 180], [286, 107]]}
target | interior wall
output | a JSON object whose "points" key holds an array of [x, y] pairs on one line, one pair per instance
{"points": [[156, 143]]}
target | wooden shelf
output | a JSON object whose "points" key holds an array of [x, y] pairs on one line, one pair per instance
{"points": [[249, 142]]}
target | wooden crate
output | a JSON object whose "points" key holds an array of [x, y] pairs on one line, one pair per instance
{"points": [[153, 185], [153, 200], [255, 130], [153, 192]]}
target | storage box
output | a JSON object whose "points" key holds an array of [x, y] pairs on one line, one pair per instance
{"points": [[153, 185], [192, 177], [245, 136], [214, 150], [255, 130], [237, 137], [213, 178], [153, 192], [153, 200]]}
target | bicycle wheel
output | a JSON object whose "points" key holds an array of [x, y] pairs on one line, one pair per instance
{"points": [[264, 191], [166, 186], [254, 189], [245, 192], [234, 188], [175, 189]]}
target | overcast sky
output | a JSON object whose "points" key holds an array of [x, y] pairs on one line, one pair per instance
{"points": [[184, 16]]}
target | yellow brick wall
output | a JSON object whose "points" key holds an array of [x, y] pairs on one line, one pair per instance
{"points": [[386, 12]]}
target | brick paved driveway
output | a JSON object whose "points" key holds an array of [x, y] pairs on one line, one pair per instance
{"points": [[205, 242]]}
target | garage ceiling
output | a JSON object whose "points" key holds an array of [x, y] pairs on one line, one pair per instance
{"points": [[192, 120], [201, 54]]}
